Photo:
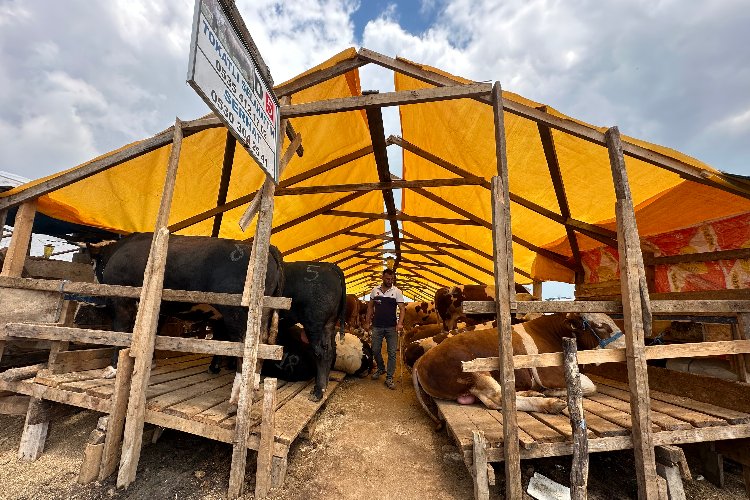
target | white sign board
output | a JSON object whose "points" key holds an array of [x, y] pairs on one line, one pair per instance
{"points": [[224, 74]]}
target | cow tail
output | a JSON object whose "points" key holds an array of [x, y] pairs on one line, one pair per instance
{"points": [[276, 254], [342, 306]]}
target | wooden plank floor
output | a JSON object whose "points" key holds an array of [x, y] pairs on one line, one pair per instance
{"points": [[675, 419], [182, 394]]}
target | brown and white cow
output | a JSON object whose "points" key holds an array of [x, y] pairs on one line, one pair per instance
{"points": [[438, 372], [351, 313], [420, 313], [416, 348], [449, 302]]}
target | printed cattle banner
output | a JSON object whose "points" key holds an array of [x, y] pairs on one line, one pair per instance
{"points": [[601, 264]]}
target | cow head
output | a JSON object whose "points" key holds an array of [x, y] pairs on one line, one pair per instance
{"points": [[595, 331]]}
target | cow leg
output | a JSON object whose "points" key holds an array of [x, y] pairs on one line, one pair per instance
{"points": [[235, 395], [543, 405], [587, 388], [325, 354]]}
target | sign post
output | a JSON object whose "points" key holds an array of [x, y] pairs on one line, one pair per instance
{"points": [[223, 72]]}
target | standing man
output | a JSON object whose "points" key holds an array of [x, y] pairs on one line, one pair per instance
{"points": [[383, 301]]}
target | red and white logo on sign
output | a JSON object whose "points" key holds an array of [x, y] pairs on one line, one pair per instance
{"points": [[270, 106]]}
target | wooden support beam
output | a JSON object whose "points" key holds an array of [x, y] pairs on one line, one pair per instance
{"points": [[374, 186], [576, 129], [401, 217], [635, 310], [116, 419], [265, 448], [504, 295], [252, 297], [377, 136], [34, 430], [94, 167], [385, 99], [560, 259], [146, 322], [15, 258], [548, 145], [326, 237], [579, 470], [441, 251], [453, 269], [242, 200], [316, 77], [226, 173], [423, 268], [598, 233], [411, 250], [346, 249], [465, 246], [413, 240], [479, 466], [314, 213], [739, 253]]}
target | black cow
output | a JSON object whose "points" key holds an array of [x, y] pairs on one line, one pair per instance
{"points": [[318, 293], [353, 356], [194, 263]]}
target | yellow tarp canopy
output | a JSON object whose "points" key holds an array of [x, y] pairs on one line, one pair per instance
{"points": [[126, 198]]}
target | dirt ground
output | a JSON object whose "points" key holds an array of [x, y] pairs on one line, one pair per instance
{"points": [[369, 442]]}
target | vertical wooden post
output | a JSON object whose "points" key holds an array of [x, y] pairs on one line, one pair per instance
{"points": [[636, 314], [252, 298], [741, 331], [481, 479], [579, 469], [146, 320], [19, 242], [116, 420], [265, 449], [504, 294], [34, 430], [3, 218], [536, 289], [226, 174]]}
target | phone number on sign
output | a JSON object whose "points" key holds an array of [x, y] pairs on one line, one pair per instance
{"points": [[228, 106]]}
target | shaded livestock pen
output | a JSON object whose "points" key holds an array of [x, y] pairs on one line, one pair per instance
{"points": [[453, 230]]}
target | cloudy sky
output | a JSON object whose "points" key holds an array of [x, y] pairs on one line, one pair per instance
{"points": [[80, 78]]}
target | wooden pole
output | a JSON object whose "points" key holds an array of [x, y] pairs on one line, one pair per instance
{"points": [[579, 470], [504, 294], [636, 308], [481, 480], [116, 419], [226, 174], [536, 289], [252, 297], [15, 258], [146, 320], [265, 449]]}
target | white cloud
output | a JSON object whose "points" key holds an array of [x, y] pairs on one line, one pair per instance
{"points": [[81, 78]]}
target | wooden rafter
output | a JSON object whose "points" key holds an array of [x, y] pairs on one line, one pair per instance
{"points": [[440, 244], [226, 174], [598, 233], [377, 136], [548, 144], [328, 236], [468, 247], [242, 200], [129, 153], [319, 211], [390, 250], [556, 257], [576, 129], [435, 262], [349, 248], [401, 216], [411, 267], [399, 98], [373, 186], [467, 262], [319, 76]]}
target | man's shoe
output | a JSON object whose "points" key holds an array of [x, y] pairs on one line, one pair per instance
{"points": [[390, 384], [378, 374]]}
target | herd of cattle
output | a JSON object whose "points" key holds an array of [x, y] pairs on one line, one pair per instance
{"points": [[437, 336]]}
